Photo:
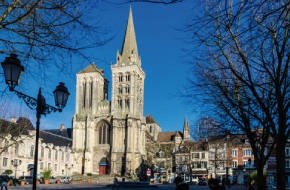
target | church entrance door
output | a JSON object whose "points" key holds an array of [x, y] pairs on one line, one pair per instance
{"points": [[103, 166], [103, 170]]}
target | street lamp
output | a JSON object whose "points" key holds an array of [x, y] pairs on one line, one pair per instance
{"points": [[12, 72], [15, 164]]}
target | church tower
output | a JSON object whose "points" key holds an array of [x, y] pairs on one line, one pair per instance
{"points": [[128, 77], [129, 125]]}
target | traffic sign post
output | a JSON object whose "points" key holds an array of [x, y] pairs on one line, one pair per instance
{"points": [[148, 174]]}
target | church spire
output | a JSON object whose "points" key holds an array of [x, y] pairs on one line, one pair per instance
{"points": [[185, 125], [129, 49], [186, 130]]}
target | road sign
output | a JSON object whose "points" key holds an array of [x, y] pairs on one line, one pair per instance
{"points": [[148, 172]]}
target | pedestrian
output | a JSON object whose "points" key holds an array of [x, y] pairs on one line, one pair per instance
{"points": [[213, 184], [180, 184], [5, 179]]}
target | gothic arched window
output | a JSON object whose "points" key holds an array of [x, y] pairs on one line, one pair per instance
{"points": [[84, 94], [127, 76], [104, 133], [120, 77], [127, 103], [127, 89], [119, 103], [120, 89]]}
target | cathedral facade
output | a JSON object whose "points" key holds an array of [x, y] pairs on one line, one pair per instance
{"points": [[109, 136]]}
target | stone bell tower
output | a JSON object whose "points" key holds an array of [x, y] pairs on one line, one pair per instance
{"points": [[128, 144]]}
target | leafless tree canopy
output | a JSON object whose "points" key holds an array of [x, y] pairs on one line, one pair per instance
{"points": [[241, 67], [49, 33]]}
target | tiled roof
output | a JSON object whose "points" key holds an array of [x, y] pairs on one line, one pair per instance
{"points": [[57, 140], [168, 136], [65, 132], [182, 150]]}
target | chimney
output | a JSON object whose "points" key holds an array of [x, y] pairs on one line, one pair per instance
{"points": [[228, 134], [13, 119], [61, 127]]}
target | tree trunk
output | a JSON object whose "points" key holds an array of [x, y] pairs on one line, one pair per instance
{"points": [[260, 176], [280, 164], [167, 175]]}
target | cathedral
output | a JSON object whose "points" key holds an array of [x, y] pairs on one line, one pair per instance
{"points": [[110, 135]]}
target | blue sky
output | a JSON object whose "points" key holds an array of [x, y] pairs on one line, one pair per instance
{"points": [[160, 48]]}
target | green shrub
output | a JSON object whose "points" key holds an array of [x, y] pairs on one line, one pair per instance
{"points": [[46, 174], [8, 172], [89, 174]]}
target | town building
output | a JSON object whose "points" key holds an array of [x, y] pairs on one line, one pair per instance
{"points": [[18, 146]]}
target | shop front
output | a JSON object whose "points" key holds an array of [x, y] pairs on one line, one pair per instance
{"points": [[159, 177], [196, 174]]}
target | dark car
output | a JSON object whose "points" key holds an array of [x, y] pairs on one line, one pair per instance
{"points": [[27, 179], [201, 181]]}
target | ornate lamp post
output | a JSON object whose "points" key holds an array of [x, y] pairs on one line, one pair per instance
{"points": [[15, 164], [12, 72]]}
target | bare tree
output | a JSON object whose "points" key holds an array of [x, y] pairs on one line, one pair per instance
{"points": [[151, 149], [49, 34], [14, 133], [165, 157], [241, 67], [205, 127]]}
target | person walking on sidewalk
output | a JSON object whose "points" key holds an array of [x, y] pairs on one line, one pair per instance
{"points": [[4, 179]]}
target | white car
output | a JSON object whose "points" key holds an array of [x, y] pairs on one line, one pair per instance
{"points": [[65, 179]]}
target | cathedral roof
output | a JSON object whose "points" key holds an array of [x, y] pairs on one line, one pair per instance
{"points": [[91, 68], [168, 136], [150, 119]]}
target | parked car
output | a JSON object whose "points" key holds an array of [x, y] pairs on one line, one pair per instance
{"points": [[65, 179], [201, 181], [27, 179], [52, 180]]}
